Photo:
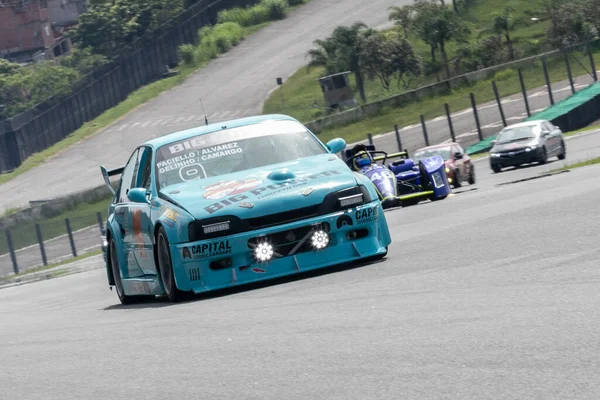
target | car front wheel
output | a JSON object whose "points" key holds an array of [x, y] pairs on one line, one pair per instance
{"points": [[165, 267]]}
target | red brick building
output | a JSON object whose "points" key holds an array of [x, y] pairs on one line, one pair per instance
{"points": [[26, 33]]}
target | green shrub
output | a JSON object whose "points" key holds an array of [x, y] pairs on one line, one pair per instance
{"points": [[227, 35], [276, 9], [186, 53]]}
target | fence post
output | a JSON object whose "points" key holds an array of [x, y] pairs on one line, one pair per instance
{"points": [[370, 137], [476, 115], [499, 102], [449, 117], [100, 223], [70, 233], [524, 91], [547, 80], [11, 249], [592, 63], [38, 231], [568, 64], [398, 140], [424, 130]]}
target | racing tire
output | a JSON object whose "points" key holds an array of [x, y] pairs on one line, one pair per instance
{"points": [[165, 268], [563, 155], [457, 179], [544, 157], [472, 175], [116, 272]]}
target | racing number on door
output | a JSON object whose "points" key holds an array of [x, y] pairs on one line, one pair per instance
{"points": [[136, 223]]}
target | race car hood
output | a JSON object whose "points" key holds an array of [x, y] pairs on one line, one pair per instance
{"points": [[513, 146], [263, 191]]}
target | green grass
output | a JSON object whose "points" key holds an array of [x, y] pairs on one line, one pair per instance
{"points": [[580, 164], [81, 216], [133, 101], [51, 266], [302, 92]]}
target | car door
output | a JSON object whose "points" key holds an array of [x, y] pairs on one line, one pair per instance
{"points": [[142, 227], [552, 138], [123, 218]]}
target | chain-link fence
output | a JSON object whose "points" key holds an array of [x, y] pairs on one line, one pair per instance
{"points": [[38, 244], [470, 113]]}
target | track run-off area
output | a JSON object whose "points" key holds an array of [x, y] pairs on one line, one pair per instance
{"points": [[489, 294]]}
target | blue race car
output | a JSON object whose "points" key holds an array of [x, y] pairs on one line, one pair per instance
{"points": [[238, 202], [401, 182]]}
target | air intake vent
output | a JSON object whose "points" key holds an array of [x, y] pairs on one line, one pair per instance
{"points": [[194, 274]]}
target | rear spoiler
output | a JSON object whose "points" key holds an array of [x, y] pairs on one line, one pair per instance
{"points": [[403, 154], [106, 174]]}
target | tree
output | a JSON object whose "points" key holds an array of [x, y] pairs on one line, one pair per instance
{"points": [[504, 23], [402, 16], [341, 52], [437, 25], [574, 23], [111, 25]]}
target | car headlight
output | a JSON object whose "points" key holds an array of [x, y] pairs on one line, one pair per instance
{"points": [[447, 170], [494, 154], [530, 148]]}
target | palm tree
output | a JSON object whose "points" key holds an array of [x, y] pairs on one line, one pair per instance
{"points": [[341, 52], [402, 16]]}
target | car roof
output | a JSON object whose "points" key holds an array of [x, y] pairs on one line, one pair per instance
{"points": [[526, 123], [217, 126]]}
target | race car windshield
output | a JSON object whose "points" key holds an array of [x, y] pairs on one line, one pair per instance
{"points": [[234, 150], [517, 134], [443, 152]]}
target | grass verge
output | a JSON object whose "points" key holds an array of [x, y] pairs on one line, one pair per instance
{"points": [[135, 100], [81, 216], [51, 266], [580, 164]]}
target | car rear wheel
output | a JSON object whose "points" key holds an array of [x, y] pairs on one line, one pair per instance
{"points": [[165, 267], [116, 272]]}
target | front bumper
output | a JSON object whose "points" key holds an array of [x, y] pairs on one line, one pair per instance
{"points": [[513, 158], [228, 261]]}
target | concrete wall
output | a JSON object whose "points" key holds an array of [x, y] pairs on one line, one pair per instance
{"points": [[358, 113]]}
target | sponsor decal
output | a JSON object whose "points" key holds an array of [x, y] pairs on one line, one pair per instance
{"points": [[344, 220], [365, 215], [264, 191], [207, 250], [245, 204], [229, 188], [258, 270]]}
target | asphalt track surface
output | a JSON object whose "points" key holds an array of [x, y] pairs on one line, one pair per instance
{"points": [[490, 294], [236, 85], [579, 147]]}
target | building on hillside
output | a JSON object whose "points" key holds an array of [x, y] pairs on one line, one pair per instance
{"points": [[33, 30]]}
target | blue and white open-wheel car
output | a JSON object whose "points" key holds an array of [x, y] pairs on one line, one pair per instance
{"points": [[401, 182]]}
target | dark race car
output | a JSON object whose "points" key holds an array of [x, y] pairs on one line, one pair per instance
{"points": [[402, 182], [526, 143]]}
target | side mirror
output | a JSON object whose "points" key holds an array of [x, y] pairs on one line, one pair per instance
{"points": [[458, 156], [336, 145], [494, 142], [137, 195]]}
